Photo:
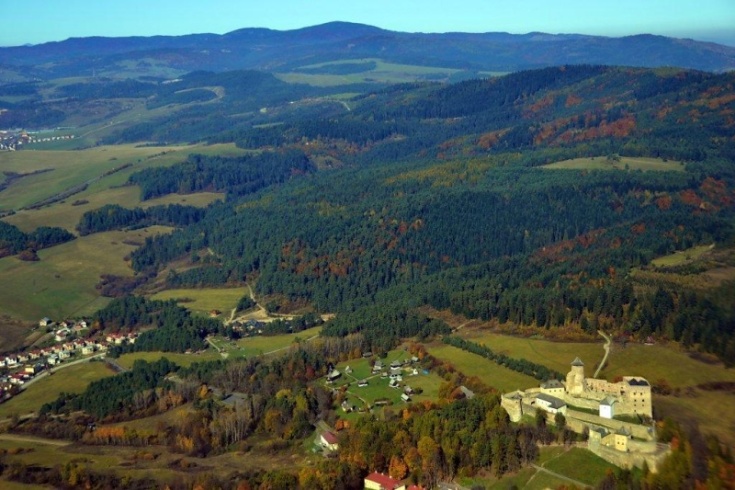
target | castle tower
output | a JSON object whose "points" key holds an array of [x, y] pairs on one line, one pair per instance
{"points": [[575, 378]]}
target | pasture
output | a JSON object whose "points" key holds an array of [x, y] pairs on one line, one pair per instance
{"points": [[181, 359], [625, 163], [74, 167], [202, 301], [62, 283], [381, 72], [654, 362], [499, 377], [682, 257], [71, 379]]}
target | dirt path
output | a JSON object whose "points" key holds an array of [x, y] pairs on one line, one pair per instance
{"points": [[608, 341], [34, 440], [541, 469]]}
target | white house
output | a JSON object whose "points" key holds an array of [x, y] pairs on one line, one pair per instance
{"points": [[607, 407], [329, 441]]}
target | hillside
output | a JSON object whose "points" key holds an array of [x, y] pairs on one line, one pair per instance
{"points": [[286, 51], [433, 195]]}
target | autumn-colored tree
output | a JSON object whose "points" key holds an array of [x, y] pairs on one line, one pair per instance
{"points": [[397, 468]]}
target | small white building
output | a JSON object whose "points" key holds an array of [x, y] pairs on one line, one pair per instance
{"points": [[607, 407], [329, 441]]}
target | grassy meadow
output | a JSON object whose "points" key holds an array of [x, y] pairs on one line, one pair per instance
{"points": [[653, 362], [682, 257], [629, 163], [72, 379], [202, 301], [75, 167], [498, 377], [248, 347], [62, 283]]}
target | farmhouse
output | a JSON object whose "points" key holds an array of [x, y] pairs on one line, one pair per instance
{"points": [[379, 481], [329, 441]]}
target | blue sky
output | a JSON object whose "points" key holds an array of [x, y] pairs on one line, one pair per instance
{"points": [[55, 20]]}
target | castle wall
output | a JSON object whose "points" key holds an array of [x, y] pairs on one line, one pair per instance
{"points": [[604, 387], [652, 456], [587, 419]]}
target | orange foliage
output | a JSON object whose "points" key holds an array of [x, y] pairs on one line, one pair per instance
{"points": [[691, 198], [663, 202], [539, 105], [638, 229], [488, 140], [572, 100]]}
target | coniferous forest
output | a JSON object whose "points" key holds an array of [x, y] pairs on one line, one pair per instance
{"points": [[401, 201]]}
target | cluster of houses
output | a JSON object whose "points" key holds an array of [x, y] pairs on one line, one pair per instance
{"points": [[250, 327], [21, 367], [14, 140]]}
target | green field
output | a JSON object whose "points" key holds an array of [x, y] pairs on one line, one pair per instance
{"points": [[629, 163], [382, 73], [499, 377], [581, 465], [682, 257], [700, 405], [65, 215], [72, 379], [255, 346], [205, 300], [653, 362], [184, 360], [74, 167], [62, 283], [248, 347]]}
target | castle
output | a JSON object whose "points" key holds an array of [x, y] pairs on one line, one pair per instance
{"points": [[631, 396], [590, 404]]}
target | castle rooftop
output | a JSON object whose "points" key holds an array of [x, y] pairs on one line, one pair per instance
{"points": [[577, 362]]}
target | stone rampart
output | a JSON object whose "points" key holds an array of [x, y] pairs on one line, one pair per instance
{"points": [[638, 431]]}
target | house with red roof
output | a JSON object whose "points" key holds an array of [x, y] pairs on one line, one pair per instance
{"points": [[329, 441], [380, 481]]}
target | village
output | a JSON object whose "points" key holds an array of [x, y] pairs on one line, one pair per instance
{"points": [[68, 341], [14, 140]]}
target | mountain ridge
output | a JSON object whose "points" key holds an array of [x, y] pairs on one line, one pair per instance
{"points": [[276, 50]]}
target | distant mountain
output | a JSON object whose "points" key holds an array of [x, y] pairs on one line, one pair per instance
{"points": [[284, 51]]}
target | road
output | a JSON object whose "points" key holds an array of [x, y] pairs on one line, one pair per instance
{"points": [[33, 440], [608, 341], [59, 367]]}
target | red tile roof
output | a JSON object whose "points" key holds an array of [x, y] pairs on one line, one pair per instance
{"points": [[384, 480], [330, 438]]}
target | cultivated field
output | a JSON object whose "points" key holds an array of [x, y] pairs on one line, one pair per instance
{"points": [[62, 283], [625, 163], [72, 379]]}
